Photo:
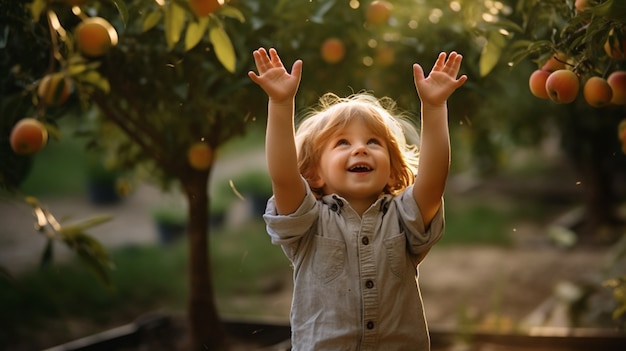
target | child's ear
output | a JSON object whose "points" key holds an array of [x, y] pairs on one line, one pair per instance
{"points": [[316, 182]]}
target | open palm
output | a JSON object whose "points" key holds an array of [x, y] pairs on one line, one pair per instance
{"points": [[441, 82], [273, 77]]}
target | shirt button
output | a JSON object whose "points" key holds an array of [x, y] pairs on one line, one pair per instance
{"points": [[365, 240], [369, 284], [370, 325]]}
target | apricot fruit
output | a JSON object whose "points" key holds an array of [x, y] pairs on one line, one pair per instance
{"points": [[333, 50], [537, 83], [95, 36], [617, 82], [200, 156], [581, 5], [555, 62], [615, 45], [54, 89], [562, 86], [597, 92], [28, 136], [203, 8], [378, 12]]}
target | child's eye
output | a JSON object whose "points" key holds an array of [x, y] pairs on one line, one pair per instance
{"points": [[374, 141], [342, 142]]}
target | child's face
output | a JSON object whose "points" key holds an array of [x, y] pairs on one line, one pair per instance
{"points": [[354, 163]]}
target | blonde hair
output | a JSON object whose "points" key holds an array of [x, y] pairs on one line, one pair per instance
{"points": [[381, 115]]}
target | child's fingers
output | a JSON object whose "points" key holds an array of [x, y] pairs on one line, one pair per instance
{"points": [[296, 69], [418, 73], [274, 59], [440, 62], [453, 65], [260, 59]]}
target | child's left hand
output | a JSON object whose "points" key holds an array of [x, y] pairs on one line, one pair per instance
{"points": [[435, 89]]}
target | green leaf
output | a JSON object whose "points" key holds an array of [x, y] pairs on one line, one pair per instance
{"points": [[195, 32], [36, 8], [96, 79], [175, 16], [86, 224], [232, 12], [122, 9], [98, 264], [491, 53], [223, 48], [151, 20], [90, 251]]}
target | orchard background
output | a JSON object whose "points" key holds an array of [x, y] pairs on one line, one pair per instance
{"points": [[158, 86]]}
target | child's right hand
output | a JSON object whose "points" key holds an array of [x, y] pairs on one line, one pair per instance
{"points": [[273, 78]]}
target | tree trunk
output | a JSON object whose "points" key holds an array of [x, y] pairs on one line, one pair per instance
{"points": [[601, 215], [206, 331], [591, 143]]}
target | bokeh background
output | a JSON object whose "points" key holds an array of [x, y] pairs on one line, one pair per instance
{"points": [[124, 220]]}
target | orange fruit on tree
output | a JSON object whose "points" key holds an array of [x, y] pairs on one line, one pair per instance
{"points": [[200, 156], [55, 88], [28, 136], [562, 86], [597, 92], [615, 45], [203, 8], [95, 36], [378, 12], [333, 50], [617, 82], [537, 83], [555, 62]]}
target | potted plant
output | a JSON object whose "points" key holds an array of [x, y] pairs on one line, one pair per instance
{"points": [[103, 182], [170, 222]]}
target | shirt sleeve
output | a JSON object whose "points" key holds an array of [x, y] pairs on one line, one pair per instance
{"points": [[288, 230], [420, 238]]}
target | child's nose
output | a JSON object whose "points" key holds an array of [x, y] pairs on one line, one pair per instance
{"points": [[360, 148]]}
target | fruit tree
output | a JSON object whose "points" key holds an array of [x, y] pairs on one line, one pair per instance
{"points": [[578, 48], [170, 75]]}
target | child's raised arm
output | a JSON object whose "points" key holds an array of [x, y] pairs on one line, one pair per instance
{"points": [[280, 87], [434, 91]]}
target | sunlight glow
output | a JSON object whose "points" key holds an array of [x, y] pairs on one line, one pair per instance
{"points": [[455, 6], [435, 15]]}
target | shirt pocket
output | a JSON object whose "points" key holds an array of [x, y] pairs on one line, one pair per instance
{"points": [[329, 258], [395, 247]]}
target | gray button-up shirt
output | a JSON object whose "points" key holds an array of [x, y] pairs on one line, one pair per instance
{"points": [[356, 278]]}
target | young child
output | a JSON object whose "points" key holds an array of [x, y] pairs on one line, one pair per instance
{"points": [[351, 211]]}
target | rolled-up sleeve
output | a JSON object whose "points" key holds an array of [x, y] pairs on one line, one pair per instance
{"points": [[288, 230], [420, 238]]}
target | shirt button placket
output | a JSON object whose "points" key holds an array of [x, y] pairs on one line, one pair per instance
{"points": [[368, 268]]}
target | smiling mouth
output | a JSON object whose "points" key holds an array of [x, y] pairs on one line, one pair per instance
{"points": [[360, 168]]}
